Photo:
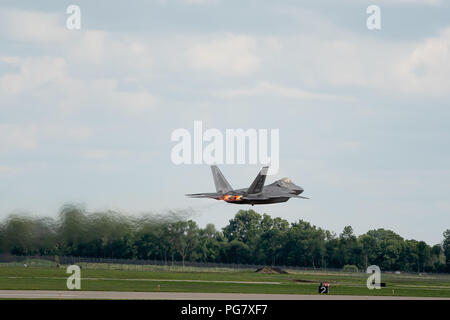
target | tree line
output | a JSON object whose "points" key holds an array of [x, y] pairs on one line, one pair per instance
{"points": [[249, 238]]}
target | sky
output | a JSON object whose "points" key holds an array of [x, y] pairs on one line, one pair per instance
{"points": [[86, 116]]}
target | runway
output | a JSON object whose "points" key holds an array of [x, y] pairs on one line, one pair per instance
{"points": [[116, 295]]}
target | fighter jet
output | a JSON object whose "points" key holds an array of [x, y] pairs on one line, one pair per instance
{"points": [[280, 191]]}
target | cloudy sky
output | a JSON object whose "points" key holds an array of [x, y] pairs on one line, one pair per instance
{"points": [[86, 115]]}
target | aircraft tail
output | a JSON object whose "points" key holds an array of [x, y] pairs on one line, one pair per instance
{"points": [[222, 185], [259, 181]]}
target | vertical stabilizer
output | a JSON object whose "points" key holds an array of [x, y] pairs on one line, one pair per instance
{"points": [[222, 185], [259, 181]]}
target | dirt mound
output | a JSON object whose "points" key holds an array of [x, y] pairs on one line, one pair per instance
{"points": [[269, 270], [305, 281]]}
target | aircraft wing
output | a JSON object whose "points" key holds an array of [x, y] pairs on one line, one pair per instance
{"points": [[262, 197], [290, 195], [211, 195]]}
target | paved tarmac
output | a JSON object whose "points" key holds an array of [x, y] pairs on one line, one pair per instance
{"points": [[117, 295]]}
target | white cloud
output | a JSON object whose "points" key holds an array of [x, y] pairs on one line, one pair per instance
{"points": [[17, 137], [30, 137], [100, 154], [406, 2], [199, 2], [90, 46], [323, 54], [414, 67], [99, 48], [32, 26], [427, 67], [7, 171], [267, 88], [33, 73], [103, 94], [229, 55], [442, 205], [340, 58], [83, 73], [86, 46], [49, 82], [67, 132]]}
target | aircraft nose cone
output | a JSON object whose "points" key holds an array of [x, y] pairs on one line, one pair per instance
{"points": [[297, 190]]}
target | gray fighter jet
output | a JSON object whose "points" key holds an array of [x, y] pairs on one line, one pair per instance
{"points": [[280, 191]]}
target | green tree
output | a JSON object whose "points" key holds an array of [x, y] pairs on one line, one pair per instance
{"points": [[238, 252], [184, 236], [446, 248], [245, 227], [210, 243], [348, 249], [304, 245], [272, 239], [248, 238], [369, 249], [72, 229]]}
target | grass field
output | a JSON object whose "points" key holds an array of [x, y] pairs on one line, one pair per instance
{"points": [[96, 277]]}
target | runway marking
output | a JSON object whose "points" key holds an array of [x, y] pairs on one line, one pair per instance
{"points": [[36, 295]]}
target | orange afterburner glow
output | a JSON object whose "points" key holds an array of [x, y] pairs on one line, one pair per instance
{"points": [[231, 198]]}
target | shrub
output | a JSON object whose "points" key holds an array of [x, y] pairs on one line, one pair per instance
{"points": [[350, 268]]}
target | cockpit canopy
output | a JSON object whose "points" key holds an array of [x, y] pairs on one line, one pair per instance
{"points": [[285, 182], [288, 184]]}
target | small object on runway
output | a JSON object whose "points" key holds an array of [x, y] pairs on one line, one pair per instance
{"points": [[324, 288]]}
